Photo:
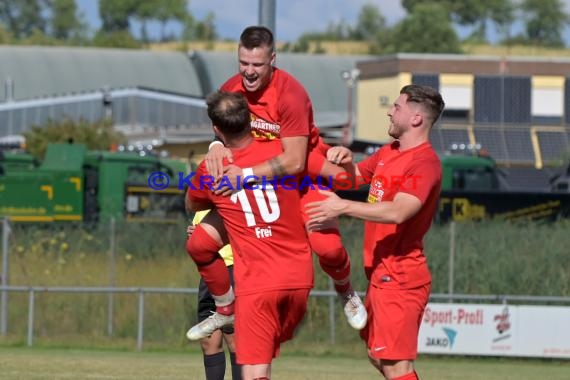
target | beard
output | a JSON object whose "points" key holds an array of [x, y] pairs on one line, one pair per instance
{"points": [[394, 131]]}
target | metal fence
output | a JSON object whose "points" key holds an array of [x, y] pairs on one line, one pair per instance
{"points": [[140, 292]]}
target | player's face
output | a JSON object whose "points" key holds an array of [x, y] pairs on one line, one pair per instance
{"points": [[401, 116], [255, 67]]}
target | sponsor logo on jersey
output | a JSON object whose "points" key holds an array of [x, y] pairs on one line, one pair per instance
{"points": [[263, 129]]}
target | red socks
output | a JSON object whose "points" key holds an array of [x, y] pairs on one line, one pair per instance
{"points": [[333, 258], [226, 310], [408, 376], [204, 251]]}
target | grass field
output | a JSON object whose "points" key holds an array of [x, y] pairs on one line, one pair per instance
{"points": [[54, 364]]}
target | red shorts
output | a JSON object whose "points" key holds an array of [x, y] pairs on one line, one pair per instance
{"points": [[264, 321], [394, 318]]}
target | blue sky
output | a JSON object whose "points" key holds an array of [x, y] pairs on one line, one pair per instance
{"points": [[294, 17]]}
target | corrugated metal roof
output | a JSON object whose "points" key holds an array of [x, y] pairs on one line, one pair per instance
{"points": [[47, 71]]}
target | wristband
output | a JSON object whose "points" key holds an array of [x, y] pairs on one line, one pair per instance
{"points": [[248, 175], [215, 142]]}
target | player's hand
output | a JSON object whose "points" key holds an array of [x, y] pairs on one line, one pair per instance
{"points": [[339, 155], [215, 160], [190, 230], [323, 212], [228, 185]]}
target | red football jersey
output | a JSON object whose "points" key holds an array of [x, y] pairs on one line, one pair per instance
{"points": [[264, 225], [282, 109], [393, 253]]}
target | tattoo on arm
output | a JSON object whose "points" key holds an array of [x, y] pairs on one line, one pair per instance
{"points": [[277, 167]]}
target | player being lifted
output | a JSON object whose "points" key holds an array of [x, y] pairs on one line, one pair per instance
{"points": [[273, 266], [280, 110]]}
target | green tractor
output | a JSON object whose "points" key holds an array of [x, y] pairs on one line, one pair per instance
{"points": [[72, 184]]}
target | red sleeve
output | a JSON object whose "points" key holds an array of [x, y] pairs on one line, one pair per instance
{"points": [[295, 109], [199, 191]]}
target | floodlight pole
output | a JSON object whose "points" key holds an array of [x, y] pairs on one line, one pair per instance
{"points": [[267, 15], [350, 77]]}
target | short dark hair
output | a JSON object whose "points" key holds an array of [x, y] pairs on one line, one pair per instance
{"points": [[427, 96], [256, 36], [229, 112]]}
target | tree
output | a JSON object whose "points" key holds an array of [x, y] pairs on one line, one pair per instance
{"points": [[117, 39], [370, 23], [545, 20], [302, 45], [5, 36], [479, 13], [65, 22], [337, 31], [39, 38], [476, 13], [503, 17], [206, 30], [189, 28], [21, 17], [115, 29], [115, 14], [427, 29], [161, 10], [171, 10], [97, 136], [144, 12]]}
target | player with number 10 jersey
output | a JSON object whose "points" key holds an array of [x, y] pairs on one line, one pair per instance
{"points": [[264, 226]]}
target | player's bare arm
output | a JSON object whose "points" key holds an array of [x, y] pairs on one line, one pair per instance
{"points": [[215, 159], [403, 207], [339, 165], [340, 155], [277, 167], [290, 162]]}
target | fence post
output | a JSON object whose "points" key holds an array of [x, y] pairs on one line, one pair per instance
{"points": [[332, 319], [112, 275], [451, 259], [5, 277], [31, 303], [140, 321]]}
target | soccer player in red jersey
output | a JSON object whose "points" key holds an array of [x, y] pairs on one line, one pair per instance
{"points": [[282, 111], [273, 268], [405, 182]]}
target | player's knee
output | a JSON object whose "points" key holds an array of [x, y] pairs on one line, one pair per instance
{"points": [[375, 363], [201, 247], [327, 245], [332, 258], [212, 345], [397, 369]]}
